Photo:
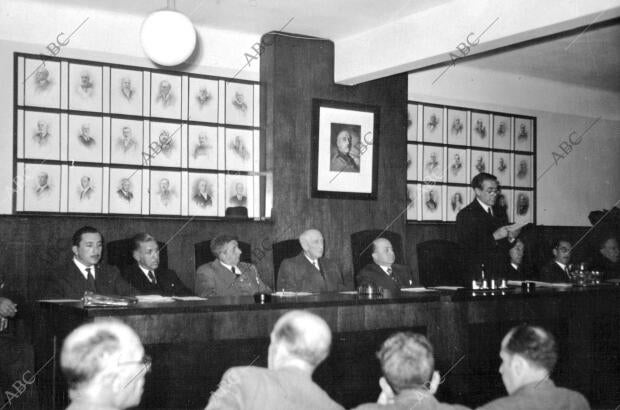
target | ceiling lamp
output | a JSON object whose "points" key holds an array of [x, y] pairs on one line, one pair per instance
{"points": [[168, 37]]}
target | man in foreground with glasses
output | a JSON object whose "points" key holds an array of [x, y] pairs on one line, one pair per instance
{"points": [[105, 366]]}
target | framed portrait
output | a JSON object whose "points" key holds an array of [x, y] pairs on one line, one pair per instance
{"points": [[504, 203], [432, 202], [502, 131], [85, 189], [457, 165], [166, 96], [126, 143], [412, 122], [203, 147], [457, 127], [42, 185], [203, 99], [523, 205], [239, 192], [203, 194], [432, 129], [502, 168], [479, 162], [345, 152], [85, 87], [165, 144], [523, 171], [412, 162], [523, 134], [239, 103], [480, 131], [126, 91], [413, 203], [41, 81], [165, 193], [125, 193], [85, 139], [40, 135], [239, 149], [433, 164], [456, 200]]}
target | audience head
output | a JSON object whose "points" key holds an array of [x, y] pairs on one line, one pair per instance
{"points": [[299, 339], [146, 251], [528, 355], [87, 245], [104, 364], [486, 188], [312, 243], [407, 362], [609, 249], [516, 251], [226, 249], [561, 251], [382, 252]]}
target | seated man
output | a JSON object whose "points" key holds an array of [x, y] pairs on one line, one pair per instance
{"points": [[105, 365], [300, 341], [528, 357], [383, 272], [146, 275], [409, 378], [84, 273], [557, 269], [226, 275], [607, 259], [309, 271], [516, 269]]}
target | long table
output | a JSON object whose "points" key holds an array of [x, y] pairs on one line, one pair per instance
{"points": [[193, 343]]}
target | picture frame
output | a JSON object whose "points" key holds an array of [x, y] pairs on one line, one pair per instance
{"points": [[203, 143], [502, 132], [433, 169], [345, 155], [165, 193], [126, 91], [431, 202], [126, 141], [457, 127], [456, 200], [85, 189], [40, 135], [239, 103], [457, 165], [203, 194], [166, 95], [85, 87], [42, 84], [42, 187], [523, 206], [165, 144], [412, 122], [412, 162], [413, 202], [479, 162], [523, 134], [203, 99], [502, 168], [85, 138], [239, 149], [432, 130], [125, 191], [523, 171], [239, 192], [506, 203], [480, 129]]}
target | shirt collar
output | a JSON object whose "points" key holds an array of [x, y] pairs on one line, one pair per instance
{"points": [[146, 271], [385, 268], [561, 265], [514, 265], [83, 268], [229, 267], [310, 260], [483, 205]]}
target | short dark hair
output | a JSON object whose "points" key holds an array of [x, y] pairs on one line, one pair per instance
{"points": [[141, 238], [479, 179], [556, 243], [219, 242], [77, 236], [534, 344], [407, 360]]}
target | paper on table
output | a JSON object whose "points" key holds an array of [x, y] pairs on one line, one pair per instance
{"points": [[60, 300], [188, 298], [446, 287], [419, 289], [154, 298], [541, 284]]}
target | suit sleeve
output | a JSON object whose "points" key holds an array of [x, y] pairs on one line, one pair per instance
{"points": [[179, 287], [286, 276], [229, 395], [262, 287], [121, 286], [205, 281], [55, 289]]}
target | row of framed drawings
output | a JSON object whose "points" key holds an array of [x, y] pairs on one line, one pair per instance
{"points": [[432, 123], [459, 165], [105, 190], [436, 202], [107, 140], [59, 83]]}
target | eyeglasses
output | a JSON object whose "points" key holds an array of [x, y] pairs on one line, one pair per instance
{"points": [[146, 361]]}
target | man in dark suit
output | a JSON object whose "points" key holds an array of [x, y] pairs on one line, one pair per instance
{"points": [[483, 237], [310, 271], [146, 275], [227, 275], [300, 341], [515, 269], [607, 259], [84, 273], [383, 272], [557, 269]]}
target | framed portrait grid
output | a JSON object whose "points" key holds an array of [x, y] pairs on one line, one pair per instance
{"points": [[447, 146], [99, 138]]}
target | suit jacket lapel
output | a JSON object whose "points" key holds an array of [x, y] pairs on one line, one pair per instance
{"points": [[76, 281]]}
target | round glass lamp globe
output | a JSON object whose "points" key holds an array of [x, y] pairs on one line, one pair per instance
{"points": [[168, 37]]}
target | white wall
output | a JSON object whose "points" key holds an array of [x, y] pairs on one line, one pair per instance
{"points": [[107, 37], [588, 178]]}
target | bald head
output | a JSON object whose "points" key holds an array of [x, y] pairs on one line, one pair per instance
{"points": [[382, 252], [312, 243], [301, 339]]}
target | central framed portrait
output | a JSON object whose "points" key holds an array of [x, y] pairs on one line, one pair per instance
{"points": [[345, 155]]}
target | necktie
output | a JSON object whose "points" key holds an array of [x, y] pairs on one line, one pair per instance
{"points": [[316, 265], [90, 281], [389, 272], [234, 270], [490, 211], [152, 278]]}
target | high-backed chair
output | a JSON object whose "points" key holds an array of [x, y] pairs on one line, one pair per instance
{"points": [[440, 263], [361, 247], [120, 253], [203, 254], [284, 250]]}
